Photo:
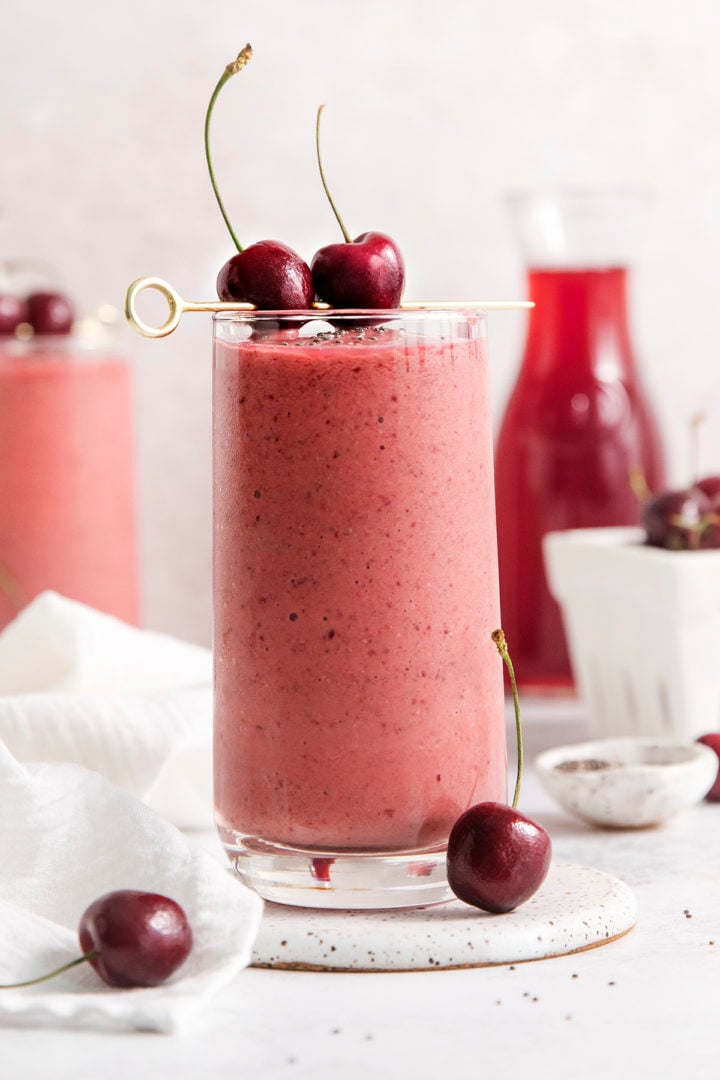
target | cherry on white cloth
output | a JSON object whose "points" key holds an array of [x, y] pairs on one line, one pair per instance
{"points": [[67, 836], [80, 686]]}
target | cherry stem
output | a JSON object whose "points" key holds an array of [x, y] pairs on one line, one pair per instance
{"points": [[341, 223], [242, 58], [639, 485], [499, 638], [696, 422], [51, 974]]}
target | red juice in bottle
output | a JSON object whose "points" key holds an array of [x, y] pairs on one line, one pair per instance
{"points": [[576, 425]]}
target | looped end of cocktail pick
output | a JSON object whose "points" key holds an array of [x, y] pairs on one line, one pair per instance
{"points": [[174, 307], [177, 307]]}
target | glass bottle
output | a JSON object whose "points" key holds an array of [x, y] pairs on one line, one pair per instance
{"points": [[578, 421]]}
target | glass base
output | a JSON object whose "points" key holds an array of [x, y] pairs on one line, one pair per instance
{"points": [[345, 880]]}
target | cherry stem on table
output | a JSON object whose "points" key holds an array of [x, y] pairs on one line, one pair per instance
{"points": [[51, 974], [341, 223], [242, 58], [499, 638]]}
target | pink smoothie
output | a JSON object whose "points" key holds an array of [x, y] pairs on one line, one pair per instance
{"points": [[359, 697], [67, 519]]}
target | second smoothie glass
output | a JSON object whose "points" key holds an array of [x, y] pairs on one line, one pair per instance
{"points": [[359, 696], [67, 475]]}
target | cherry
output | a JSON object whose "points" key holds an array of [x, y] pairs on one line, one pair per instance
{"points": [[367, 272], [675, 519], [50, 313], [138, 938], [268, 274], [497, 858], [13, 311], [710, 535], [713, 741], [131, 938], [710, 486]]}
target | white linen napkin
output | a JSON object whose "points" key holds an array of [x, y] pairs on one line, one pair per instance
{"points": [[67, 836], [80, 686]]}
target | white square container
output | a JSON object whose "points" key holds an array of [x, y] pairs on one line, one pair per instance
{"points": [[643, 629]]}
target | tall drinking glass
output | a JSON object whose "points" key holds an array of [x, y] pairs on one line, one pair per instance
{"points": [[359, 696]]}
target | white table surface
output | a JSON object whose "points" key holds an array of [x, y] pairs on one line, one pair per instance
{"points": [[645, 1006]]}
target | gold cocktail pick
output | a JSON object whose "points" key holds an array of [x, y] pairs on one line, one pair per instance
{"points": [[177, 307]]}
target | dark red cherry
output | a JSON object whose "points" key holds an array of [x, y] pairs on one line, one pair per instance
{"points": [[367, 273], [710, 486], [141, 937], [269, 275], [674, 519], [13, 311], [50, 313], [496, 857], [710, 532], [713, 741]]}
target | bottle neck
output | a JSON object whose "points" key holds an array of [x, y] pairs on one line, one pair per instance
{"points": [[579, 323]]}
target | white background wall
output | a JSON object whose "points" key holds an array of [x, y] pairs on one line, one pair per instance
{"points": [[434, 110]]}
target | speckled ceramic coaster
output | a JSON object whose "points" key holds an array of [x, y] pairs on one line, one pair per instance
{"points": [[576, 908]]}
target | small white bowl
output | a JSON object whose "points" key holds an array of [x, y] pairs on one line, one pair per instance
{"points": [[628, 782]]}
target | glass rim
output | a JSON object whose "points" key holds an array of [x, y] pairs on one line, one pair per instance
{"points": [[40, 347], [579, 193], [341, 314]]}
